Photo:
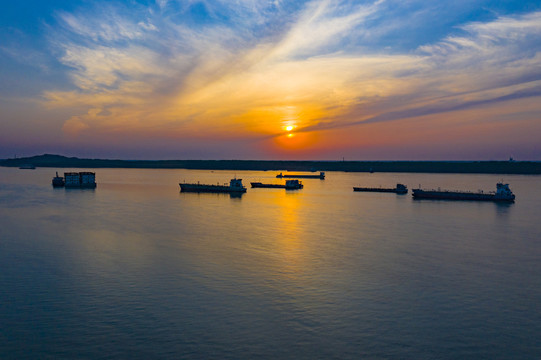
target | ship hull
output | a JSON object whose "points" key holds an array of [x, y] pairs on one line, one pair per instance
{"points": [[450, 195], [80, 186], [267, 186], [276, 186], [58, 182], [293, 176], [301, 176], [384, 190], [320, 176], [201, 188]]}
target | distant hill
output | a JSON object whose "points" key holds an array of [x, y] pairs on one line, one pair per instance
{"points": [[480, 167]]}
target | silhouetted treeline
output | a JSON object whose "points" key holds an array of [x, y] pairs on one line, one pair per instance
{"points": [[480, 167]]}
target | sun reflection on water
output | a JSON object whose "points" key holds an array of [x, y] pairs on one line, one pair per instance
{"points": [[290, 243]]}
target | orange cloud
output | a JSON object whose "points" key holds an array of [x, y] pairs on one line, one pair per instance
{"points": [[206, 89]]}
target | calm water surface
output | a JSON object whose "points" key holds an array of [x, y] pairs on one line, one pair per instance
{"points": [[136, 269]]}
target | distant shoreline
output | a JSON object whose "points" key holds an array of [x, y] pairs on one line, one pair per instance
{"points": [[460, 167]]}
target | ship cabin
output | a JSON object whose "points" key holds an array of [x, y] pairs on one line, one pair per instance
{"points": [[58, 181], [236, 184], [293, 184], [504, 192], [401, 189]]}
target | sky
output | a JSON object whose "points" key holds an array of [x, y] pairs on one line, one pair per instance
{"points": [[292, 80]]}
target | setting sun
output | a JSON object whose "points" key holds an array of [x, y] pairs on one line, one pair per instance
{"points": [[289, 128]]}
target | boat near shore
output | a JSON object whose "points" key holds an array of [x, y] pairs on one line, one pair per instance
{"points": [[503, 193], [321, 176], [399, 189], [289, 185], [235, 186], [75, 180]]}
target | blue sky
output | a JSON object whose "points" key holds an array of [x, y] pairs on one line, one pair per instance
{"points": [[224, 79]]}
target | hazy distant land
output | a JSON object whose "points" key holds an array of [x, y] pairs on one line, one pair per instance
{"points": [[479, 167]]}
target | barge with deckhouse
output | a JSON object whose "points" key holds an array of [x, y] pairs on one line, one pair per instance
{"points": [[79, 180], [235, 186], [289, 185], [399, 189], [502, 193]]}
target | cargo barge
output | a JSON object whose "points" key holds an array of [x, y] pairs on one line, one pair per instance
{"points": [[289, 185], [302, 176], [399, 189], [80, 180], [502, 193], [235, 186]]}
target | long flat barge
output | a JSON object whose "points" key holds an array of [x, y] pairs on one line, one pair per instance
{"points": [[399, 189], [289, 185], [302, 176], [503, 193], [269, 186], [78, 180], [235, 186]]}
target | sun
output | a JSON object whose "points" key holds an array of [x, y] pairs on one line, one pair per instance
{"points": [[289, 127]]}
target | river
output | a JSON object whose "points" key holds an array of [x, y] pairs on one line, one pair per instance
{"points": [[137, 269]]}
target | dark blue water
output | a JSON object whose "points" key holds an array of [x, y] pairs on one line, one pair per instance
{"points": [[136, 269]]}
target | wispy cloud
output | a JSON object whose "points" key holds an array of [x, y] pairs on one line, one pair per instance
{"points": [[106, 25], [149, 72], [322, 25], [494, 62]]}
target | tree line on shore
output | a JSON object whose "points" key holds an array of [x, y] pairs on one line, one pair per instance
{"points": [[479, 167]]}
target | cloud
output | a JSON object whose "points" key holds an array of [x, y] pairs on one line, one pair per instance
{"points": [[494, 62], [105, 25], [322, 23], [150, 71], [74, 126]]}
